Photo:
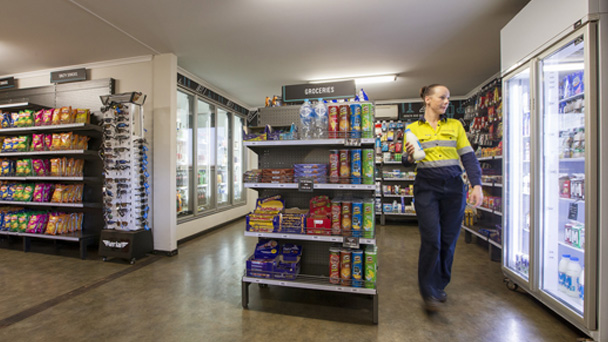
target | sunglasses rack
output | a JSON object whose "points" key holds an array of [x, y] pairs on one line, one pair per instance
{"points": [[124, 151]]}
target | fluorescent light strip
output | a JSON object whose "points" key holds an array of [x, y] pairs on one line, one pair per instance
{"points": [[360, 80]]}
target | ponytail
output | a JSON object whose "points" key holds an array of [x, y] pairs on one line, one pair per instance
{"points": [[428, 90]]}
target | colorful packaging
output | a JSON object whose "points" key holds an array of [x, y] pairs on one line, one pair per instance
{"points": [[346, 220], [369, 219], [66, 116], [357, 268], [333, 113], [343, 120], [357, 218], [56, 116], [334, 162], [334, 264], [355, 166], [37, 142], [367, 120], [371, 266], [355, 120], [344, 171], [336, 217], [368, 161], [82, 116], [345, 266]]}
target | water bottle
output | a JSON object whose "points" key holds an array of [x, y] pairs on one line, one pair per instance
{"points": [[306, 120], [413, 140], [573, 272], [561, 271], [321, 120]]}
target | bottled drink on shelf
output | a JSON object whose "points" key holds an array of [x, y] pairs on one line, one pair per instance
{"points": [[306, 120], [561, 271], [572, 273]]}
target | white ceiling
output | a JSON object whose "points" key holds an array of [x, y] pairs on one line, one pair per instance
{"points": [[250, 48]]}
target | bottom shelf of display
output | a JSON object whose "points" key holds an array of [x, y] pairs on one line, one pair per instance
{"points": [[400, 214], [310, 282], [475, 231], [80, 237]]}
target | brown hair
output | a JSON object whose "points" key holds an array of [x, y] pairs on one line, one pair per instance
{"points": [[427, 90]]}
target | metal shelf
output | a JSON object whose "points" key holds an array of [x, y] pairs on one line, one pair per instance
{"points": [[312, 142], [323, 186], [42, 178], [52, 204], [490, 158], [306, 237], [21, 105], [496, 185], [400, 214], [399, 179], [49, 153], [311, 283], [481, 236], [397, 196], [490, 211], [571, 247], [53, 128]]}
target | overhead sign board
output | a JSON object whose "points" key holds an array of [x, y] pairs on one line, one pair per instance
{"points": [[331, 90], [8, 82], [69, 75]]}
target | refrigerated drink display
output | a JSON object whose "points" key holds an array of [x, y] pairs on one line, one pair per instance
{"points": [[205, 154], [563, 171], [223, 158], [238, 155], [517, 173], [184, 154]]}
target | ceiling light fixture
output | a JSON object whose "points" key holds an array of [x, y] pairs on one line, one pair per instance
{"points": [[360, 80]]}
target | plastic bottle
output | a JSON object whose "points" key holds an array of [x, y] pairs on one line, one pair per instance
{"points": [[561, 271], [581, 286], [306, 119], [413, 140], [321, 120], [572, 273]]}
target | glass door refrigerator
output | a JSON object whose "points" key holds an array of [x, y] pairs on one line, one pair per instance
{"points": [[551, 187], [223, 182], [205, 152]]}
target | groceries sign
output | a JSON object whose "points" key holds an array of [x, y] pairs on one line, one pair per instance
{"points": [[332, 90]]}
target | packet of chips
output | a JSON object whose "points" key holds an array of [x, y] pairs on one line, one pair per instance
{"points": [[38, 195], [28, 193], [67, 196], [66, 116], [66, 141], [79, 222], [56, 118], [24, 168], [39, 167], [38, 117], [56, 167], [78, 167], [33, 223], [7, 120], [23, 143], [58, 194], [78, 192], [37, 142], [10, 192], [25, 119], [56, 142], [18, 192], [7, 167], [82, 116], [15, 222], [23, 220], [51, 226], [47, 117], [4, 192]]}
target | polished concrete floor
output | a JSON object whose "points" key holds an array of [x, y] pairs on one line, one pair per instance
{"points": [[196, 296]]}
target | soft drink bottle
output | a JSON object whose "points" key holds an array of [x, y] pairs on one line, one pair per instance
{"points": [[321, 123], [306, 120]]}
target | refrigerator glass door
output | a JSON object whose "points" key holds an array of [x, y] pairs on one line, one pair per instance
{"points": [[223, 158], [563, 173], [238, 160], [517, 174], [205, 151], [184, 154]]}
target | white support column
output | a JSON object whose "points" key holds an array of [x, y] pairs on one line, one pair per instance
{"points": [[164, 151]]}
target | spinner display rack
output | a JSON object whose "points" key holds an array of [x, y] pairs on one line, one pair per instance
{"points": [[126, 233], [314, 274], [91, 202]]}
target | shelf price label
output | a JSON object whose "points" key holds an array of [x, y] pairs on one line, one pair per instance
{"points": [[350, 242], [306, 185], [573, 212], [352, 142]]}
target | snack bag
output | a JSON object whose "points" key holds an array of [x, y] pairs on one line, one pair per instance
{"points": [[7, 120], [47, 117], [56, 142], [58, 194], [70, 168], [37, 142], [56, 118], [78, 192], [66, 141], [23, 143], [38, 117], [33, 223], [7, 167], [51, 226], [28, 193], [62, 224], [6, 221], [67, 196], [66, 116], [38, 195], [15, 222], [18, 192], [56, 167], [82, 116], [24, 167], [78, 167], [79, 222], [10, 192], [23, 220], [42, 223], [39, 166], [3, 191], [48, 142], [26, 118]]}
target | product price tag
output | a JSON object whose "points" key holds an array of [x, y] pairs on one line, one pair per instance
{"points": [[350, 242], [306, 185], [573, 212], [352, 142]]}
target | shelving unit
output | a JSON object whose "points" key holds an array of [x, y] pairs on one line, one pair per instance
{"points": [[92, 201], [314, 260]]}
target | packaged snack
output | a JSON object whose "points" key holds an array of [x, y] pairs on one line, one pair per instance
{"points": [[26, 118], [4, 191], [69, 168], [18, 192], [15, 222], [67, 195], [48, 142], [79, 222], [24, 167], [23, 143], [56, 167], [82, 116], [82, 142], [66, 116], [51, 226], [10, 192], [78, 192], [38, 195], [28, 193], [38, 117], [7, 120], [66, 141], [78, 167], [39, 167], [37, 142], [24, 218], [6, 221], [56, 118], [58, 194], [47, 117], [8, 167]]}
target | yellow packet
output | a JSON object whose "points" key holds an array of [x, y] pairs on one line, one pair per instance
{"points": [[82, 116], [66, 116], [56, 118], [58, 194]]}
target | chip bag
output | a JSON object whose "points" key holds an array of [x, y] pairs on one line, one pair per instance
{"points": [[82, 116], [38, 117], [37, 142], [66, 116], [56, 118], [47, 117], [58, 194]]}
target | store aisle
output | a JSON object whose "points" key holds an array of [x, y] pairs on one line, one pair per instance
{"points": [[196, 296]]}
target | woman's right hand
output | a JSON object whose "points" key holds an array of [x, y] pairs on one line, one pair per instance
{"points": [[409, 148]]}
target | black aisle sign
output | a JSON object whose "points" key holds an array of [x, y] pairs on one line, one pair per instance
{"points": [[573, 212], [69, 75], [306, 184], [332, 90], [350, 242], [6, 83]]}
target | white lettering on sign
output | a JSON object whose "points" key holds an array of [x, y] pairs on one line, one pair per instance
{"points": [[319, 90], [68, 74], [4, 82], [115, 244]]}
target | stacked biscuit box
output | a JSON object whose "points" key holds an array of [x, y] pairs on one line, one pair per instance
{"points": [[317, 172], [273, 261], [266, 216], [268, 132], [277, 176], [318, 221]]}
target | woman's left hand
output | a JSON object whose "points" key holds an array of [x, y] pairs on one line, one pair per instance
{"points": [[476, 196]]}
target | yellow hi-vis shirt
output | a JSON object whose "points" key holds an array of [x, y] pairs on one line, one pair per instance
{"points": [[444, 148]]}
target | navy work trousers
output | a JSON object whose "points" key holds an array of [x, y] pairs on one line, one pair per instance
{"points": [[440, 209]]}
